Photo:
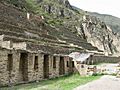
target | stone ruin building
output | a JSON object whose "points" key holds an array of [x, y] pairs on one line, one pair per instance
{"points": [[31, 50], [20, 64]]}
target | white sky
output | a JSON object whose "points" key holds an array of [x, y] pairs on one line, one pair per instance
{"points": [[111, 7]]}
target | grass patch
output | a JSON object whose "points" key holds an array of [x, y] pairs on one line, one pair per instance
{"points": [[61, 83]]}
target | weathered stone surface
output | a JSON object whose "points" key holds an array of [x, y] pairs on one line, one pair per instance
{"points": [[17, 66], [63, 30]]}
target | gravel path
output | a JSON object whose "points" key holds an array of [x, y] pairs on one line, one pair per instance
{"points": [[104, 83]]}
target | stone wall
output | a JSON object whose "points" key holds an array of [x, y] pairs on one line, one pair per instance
{"points": [[81, 68], [3, 69], [6, 44], [35, 75], [105, 59], [68, 65], [14, 74], [54, 71], [21, 45], [6, 76], [22, 67]]}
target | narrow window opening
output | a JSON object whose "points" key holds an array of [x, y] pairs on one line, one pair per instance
{"points": [[67, 63], [36, 63], [10, 62], [73, 64], [54, 62]]}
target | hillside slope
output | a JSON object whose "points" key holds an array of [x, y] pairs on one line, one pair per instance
{"points": [[63, 26]]}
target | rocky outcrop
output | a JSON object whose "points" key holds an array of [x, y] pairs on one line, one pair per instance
{"points": [[98, 34], [112, 21], [65, 2]]}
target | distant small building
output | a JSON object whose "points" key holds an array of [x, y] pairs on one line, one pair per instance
{"points": [[81, 62]]}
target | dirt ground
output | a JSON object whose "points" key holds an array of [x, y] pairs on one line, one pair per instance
{"points": [[106, 82]]}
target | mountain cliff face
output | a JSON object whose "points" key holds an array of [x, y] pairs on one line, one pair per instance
{"points": [[112, 21], [100, 35], [68, 24]]}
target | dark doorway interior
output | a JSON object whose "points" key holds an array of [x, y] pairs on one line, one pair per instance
{"points": [[61, 66], [10, 62], [54, 62], [23, 66], [91, 60], [46, 66], [10, 65]]}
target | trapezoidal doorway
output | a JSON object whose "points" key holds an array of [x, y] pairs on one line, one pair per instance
{"points": [[23, 66], [46, 66], [61, 66]]}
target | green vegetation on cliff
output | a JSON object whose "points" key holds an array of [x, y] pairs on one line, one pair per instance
{"points": [[63, 22]]}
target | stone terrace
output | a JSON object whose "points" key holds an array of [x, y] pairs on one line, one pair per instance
{"points": [[17, 28], [31, 50]]}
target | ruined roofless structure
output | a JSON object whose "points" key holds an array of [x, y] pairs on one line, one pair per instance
{"points": [[31, 50]]}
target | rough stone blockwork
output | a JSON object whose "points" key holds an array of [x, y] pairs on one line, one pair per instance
{"points": [[18, 66], [105, 59]]}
